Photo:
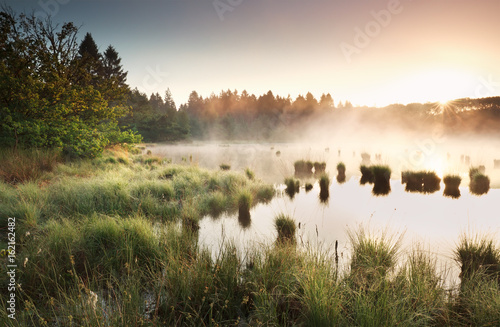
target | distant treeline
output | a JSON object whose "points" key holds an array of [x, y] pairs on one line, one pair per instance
{"points": [[58, 92]]}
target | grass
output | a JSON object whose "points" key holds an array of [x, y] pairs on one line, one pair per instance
{"points": [[381, 179], [452, 183], [285, 226], [245, 201], [479, 183], [366, 175], [478, 255], [250, 174], [26, 165], [319, 168], [421, 181], [292, 186], [341, 173], [308, 187], [224, 166], [324, 185], [303, 168], [133, 258]]}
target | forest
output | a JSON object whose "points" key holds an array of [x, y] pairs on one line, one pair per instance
{"points": [[59, 92]]}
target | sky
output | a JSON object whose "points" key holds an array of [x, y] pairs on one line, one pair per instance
{"points": [[370, 52]]}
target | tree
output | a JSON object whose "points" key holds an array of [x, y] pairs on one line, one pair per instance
{"points": [[40, 104]]}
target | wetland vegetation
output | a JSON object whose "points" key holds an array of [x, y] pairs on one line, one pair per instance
{"points": [[115, 243]]}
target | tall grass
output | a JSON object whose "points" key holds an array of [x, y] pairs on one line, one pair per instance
{"points": [[132, 263], [421, 181], [22, 165]]}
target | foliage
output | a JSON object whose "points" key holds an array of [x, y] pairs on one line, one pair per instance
{"points": [[54, 96]]}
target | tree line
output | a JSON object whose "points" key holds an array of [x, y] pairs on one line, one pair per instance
{"points": [[57, 91]]}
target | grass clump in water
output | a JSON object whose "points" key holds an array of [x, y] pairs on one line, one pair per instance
{"points": [[250, 174], [451, 185], [308, 187], [324, 185], [341, 172], [319, 168], [285, 226], [245, 200], [421, 181], [303, 168], [292, 186], [224, 166], [366, 175], [381, 180], [479, 183]]}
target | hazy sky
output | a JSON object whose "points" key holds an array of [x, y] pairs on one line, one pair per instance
{"points": [[366, 51]]}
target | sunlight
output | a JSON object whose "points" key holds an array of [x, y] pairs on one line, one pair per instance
{"points": [[439, 85], [437, 165]]}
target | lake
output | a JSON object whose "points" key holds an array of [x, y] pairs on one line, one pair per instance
{"points": [[432, 221]]}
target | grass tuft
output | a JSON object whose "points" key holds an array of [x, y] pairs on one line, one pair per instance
{"points": [[285, 226], [451, 185]]}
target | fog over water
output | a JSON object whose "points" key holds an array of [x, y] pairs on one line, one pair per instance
{"points": [[433, 221]]}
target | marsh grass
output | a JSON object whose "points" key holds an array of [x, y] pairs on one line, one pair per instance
{"points": [[341, 173], [27, 164], [133, 259], [324, 185], [421, 181], [245, 201], [303, 168], [308, 187], [292, 186], [319, 168], [381, 179], [285, 226], [479, 183], [224, 166], [452, 184], [366, 175], [250, 174]]}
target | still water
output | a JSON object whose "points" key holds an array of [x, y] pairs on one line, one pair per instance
{"points": [[431, 221]]}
